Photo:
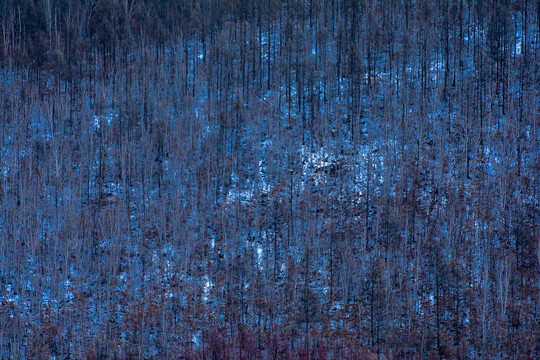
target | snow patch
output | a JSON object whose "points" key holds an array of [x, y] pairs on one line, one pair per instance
{"points": [[260, 256], [206, 288]]}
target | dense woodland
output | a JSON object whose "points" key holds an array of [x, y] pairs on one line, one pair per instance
{"points": [[295, 179]]}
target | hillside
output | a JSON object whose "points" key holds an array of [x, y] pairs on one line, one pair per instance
{"points": [[269, 179]]}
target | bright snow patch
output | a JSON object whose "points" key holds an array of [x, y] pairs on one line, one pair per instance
{"points": [[206, 288], [259, 256]]}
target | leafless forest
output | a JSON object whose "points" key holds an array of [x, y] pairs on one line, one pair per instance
{"points": [[277, 179]]}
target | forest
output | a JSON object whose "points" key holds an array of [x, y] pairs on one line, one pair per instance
{"points": [[269, 179]]}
